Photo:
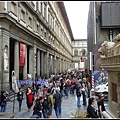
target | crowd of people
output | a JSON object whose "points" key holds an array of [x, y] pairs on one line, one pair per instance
{"points": [[43, 101]]}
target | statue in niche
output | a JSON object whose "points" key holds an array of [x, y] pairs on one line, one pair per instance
{"points": [[14, 83], [6, 58]]}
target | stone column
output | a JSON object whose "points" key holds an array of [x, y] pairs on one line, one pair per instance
{"points": [[54, 64], [35, 60], [25, 67], [31, 61], [47, 12], [38, 63], [50, 67], [4, 58], [45, 64], [42, 63], [63, 65], [43, 8], [59, 62], [16, 60]]}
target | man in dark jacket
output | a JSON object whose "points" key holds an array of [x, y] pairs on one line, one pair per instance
{"points": [[78, 93], [57, 98], [38, 108]]}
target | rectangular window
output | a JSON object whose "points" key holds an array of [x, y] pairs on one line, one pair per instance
{"points": [[37, 28], [14, 8], [22, 15], [114, 92], [30, 21]]}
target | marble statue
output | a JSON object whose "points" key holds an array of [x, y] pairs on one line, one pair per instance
{"points": [[14, 83], [6, 58], [105, 47]]}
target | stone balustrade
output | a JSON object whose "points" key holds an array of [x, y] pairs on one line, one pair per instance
{"points": [[111, 60]]}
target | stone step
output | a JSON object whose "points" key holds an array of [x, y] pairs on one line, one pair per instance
{"points": [[12, 94]]}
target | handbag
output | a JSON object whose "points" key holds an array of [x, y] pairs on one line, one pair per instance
{"points": [[3, 104]]}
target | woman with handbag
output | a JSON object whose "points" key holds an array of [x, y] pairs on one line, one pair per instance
{"points": [[20, 98], [3, 101]]}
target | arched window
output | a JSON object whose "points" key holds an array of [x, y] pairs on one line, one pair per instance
{"points": [[75, 52]]}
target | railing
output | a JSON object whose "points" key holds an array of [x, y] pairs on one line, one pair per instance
{"points": [[112, 60]]}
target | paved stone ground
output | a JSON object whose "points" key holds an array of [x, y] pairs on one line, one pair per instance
{"points": [[69, 106]]}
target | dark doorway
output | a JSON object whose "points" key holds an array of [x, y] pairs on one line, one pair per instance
{"points": [[11, 67]]}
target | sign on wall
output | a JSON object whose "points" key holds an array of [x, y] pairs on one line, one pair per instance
{"points": [[22, 54], [82, 63]]}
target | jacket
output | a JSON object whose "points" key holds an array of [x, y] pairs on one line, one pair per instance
{"points": [[92, 112]]}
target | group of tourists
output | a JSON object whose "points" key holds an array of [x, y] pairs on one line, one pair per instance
{"points": [[43, 100]]}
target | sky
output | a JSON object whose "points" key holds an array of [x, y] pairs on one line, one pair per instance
{"points": [[77, 12]]}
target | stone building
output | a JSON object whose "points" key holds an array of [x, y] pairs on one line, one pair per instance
{"points": [[35, 38], [79, 53], [104, 25]]}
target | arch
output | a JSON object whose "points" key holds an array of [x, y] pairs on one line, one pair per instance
{"points": [[75, 52]]}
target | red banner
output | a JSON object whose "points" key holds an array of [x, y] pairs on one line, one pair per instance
{"points": [[22, 54]]}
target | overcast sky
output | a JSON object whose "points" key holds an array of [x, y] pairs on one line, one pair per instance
{"points": [[77, 12]]}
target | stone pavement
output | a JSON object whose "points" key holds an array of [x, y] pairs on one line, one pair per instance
{"points": [[69, 106]]}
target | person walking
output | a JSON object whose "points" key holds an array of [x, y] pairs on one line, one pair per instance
{"points": [[20, 98], [61, 86], [3, 101], [57, 99], [89, 88], [38, 108], [39, 94], [84, 93], [100, 104], [50, 103], [92, 112], [29, 97], [78, 93]]}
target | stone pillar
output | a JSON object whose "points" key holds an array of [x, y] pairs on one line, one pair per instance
{"points": [[16, 60], [50, 67], [42, 63], [4, 59], [45, 64], [47, 12], [31, 61], [58, 65], [35, 60], [63, 64], [59, 62], [43, 8], [54, 64], [38, 63], [25, 67]]}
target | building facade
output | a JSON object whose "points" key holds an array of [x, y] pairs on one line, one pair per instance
{"points": [[103, 25], [79, 53], [35, 38]]}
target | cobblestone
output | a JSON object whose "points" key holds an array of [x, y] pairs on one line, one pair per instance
{"points": [[69, 106]]}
